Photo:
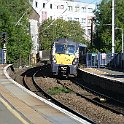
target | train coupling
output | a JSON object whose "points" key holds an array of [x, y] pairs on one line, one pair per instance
{"points": [[63, 68]]}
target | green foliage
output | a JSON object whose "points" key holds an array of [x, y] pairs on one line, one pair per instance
{"points": [[103, 20], [53, 29], [57, 90], [18, 38]]}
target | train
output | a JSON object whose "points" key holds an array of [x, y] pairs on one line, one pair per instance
{"points": [[64, 57], [82, 53]]}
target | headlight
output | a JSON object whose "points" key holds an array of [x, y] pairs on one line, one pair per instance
{"points": [[75, 61], [54, 59]]}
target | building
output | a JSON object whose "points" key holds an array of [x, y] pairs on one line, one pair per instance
{"points": [[34, 24], [67, 10]]}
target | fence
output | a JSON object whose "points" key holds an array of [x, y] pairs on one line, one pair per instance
{"points": [[98, 59], [103, 60], [117, 62]]}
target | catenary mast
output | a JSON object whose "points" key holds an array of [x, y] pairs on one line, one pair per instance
{"points": [[113, 28]]}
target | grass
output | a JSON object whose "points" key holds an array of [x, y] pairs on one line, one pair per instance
{"points": [[57, 90]]}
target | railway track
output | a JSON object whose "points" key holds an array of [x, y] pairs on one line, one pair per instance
{"points": [[95, 97], [107, 99], [43, 82], [30, 83]]}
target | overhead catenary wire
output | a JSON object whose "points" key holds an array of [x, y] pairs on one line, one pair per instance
{"points": [[21, 17]]}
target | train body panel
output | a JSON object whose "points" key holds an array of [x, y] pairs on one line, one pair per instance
{"points": [[82, 54], [64, 57], [68, 70]]}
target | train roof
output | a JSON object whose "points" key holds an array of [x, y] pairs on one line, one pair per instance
{"points": [[82, 45], [65, 40], [69, 41]]}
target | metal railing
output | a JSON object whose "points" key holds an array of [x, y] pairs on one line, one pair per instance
{"points": [[98, 60]]}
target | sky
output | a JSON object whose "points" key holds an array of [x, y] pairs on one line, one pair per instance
{"points": [[91, 1]]}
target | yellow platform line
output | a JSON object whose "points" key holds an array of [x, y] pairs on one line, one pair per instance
{"points": [[13, 111]]}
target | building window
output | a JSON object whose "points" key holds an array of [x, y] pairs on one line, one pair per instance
{"points": [[89, 21], [89, 32], [60, 7], [70, 8], [36, 4], [61, 17], [76, 19], [50, 6], [83, 9], [51, 17], [83, 20], [43, 5], [90, 10], [69, 18], [77, 9]]}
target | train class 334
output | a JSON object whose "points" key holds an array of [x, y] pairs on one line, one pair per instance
{"points": [[64, 57]]}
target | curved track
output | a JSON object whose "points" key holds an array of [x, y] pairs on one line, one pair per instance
{"points": [[30, 83], [43, 77]]}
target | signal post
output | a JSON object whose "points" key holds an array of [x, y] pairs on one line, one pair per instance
{"points": [[4, 36]]}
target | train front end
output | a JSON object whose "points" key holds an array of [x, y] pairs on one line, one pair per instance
{"points": [[65, 58]]}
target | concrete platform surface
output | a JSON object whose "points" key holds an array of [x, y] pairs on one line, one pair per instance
{"points": [[107, 73], [7, 114]]}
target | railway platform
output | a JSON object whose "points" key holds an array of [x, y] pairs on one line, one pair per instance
{"points": [[107, 73], [25, 107], [107, 79]]}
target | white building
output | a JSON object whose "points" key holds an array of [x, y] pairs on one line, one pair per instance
{"points": [[34, 21], [67, 10]]}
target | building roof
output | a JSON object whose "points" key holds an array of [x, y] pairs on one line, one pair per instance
{"points": [[34, 15]]}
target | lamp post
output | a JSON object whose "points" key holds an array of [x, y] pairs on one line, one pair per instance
{"points": [[122, 36], [113, 28]]}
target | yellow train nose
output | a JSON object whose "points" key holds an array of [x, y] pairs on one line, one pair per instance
{"points": [[64, 59]]}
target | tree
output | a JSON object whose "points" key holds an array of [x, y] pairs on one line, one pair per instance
{"points": [[103, 20], [18, 38], [53, 29]]}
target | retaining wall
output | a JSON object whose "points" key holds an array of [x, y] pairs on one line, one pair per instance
{"points": [[103, 82]]}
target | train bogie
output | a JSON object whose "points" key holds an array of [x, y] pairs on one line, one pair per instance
{"points": [[64, 70]]}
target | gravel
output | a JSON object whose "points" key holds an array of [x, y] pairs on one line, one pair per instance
{"points": [[88, 109]]}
